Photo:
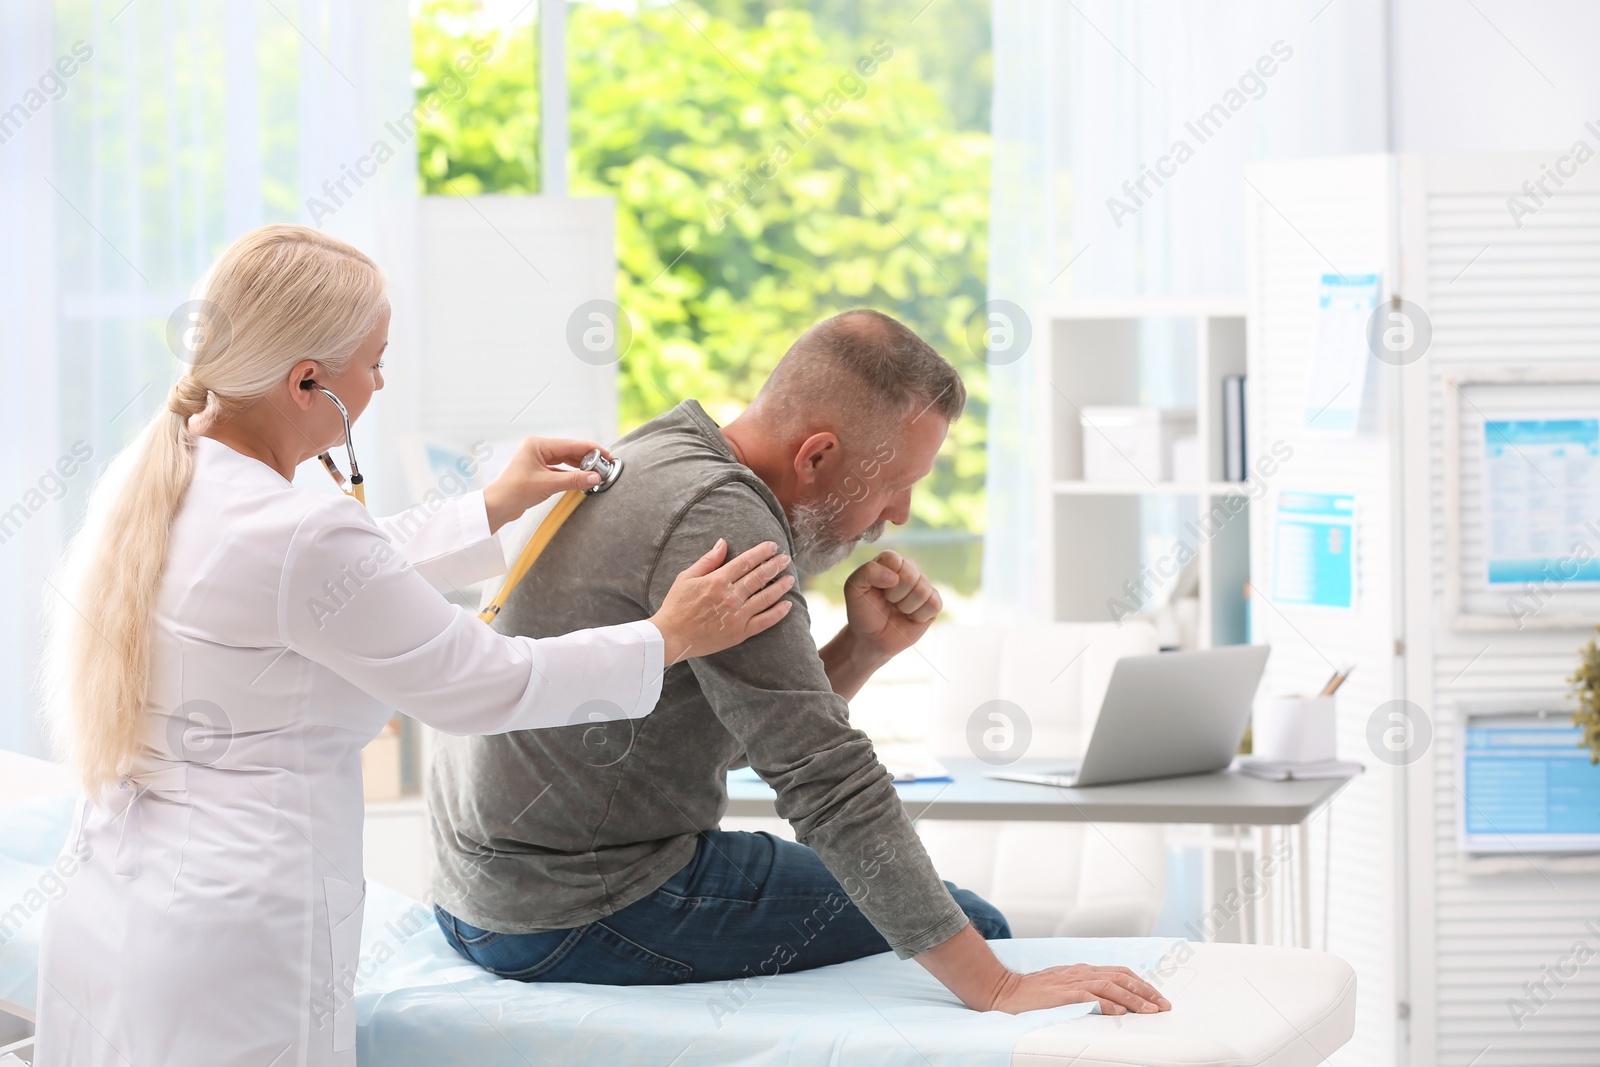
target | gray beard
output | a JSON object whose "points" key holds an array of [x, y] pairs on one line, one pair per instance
{"points": [[818, 546]]}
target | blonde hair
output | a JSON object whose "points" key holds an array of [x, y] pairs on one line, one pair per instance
{"points": [[278, 295]]}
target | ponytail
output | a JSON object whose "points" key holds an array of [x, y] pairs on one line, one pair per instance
{"points": [[283, 294]]}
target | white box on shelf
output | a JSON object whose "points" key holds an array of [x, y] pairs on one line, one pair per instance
{"points": [[1132, 444], [1092, 353]]}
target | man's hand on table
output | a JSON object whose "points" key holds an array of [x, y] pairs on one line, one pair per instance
{"points": [[968, 967]]}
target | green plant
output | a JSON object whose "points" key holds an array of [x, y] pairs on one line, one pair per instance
{"points": [[1586, 687]]}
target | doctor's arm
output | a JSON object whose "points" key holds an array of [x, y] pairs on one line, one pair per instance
{"points": [[450, 540], [351, 602], [533, 476]]}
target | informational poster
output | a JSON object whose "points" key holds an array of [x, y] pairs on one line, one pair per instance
{"points": [[1337, 380], [1313, 550], [1541, 480], [1527, 784]]}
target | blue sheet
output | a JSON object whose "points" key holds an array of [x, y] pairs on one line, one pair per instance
{"points": [[423, 1005], [418, 1004]]}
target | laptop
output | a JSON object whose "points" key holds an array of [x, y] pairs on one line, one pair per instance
{"points": [[1163, 716]]}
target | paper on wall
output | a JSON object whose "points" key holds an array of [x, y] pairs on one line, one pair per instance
{"points": [[1337, 378], [1541, 479], [1313, 550]]}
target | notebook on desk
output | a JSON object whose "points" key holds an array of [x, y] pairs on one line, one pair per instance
{"points": [[905, 764], [1278, 770]]}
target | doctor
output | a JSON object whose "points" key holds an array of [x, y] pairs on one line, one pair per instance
{"points": [[224, 647]]}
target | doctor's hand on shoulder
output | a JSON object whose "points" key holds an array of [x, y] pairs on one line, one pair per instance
{"points": [[714, 605]]}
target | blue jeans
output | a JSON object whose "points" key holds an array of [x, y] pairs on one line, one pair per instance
{"points": [[747, 904]]}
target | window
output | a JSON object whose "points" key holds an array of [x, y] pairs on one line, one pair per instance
{"points": [[772, 163]]}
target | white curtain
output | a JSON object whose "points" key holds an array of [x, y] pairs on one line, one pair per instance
{"points": [[1089, 94], [30, 514], [146, 136]]}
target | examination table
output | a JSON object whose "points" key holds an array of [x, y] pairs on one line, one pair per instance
{"points": [[418, 1004]]}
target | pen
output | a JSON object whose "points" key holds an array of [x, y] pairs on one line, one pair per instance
{"points": [[1337, 680]]}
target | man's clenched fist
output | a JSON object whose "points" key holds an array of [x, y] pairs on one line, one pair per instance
{"points": [[890, 604]]}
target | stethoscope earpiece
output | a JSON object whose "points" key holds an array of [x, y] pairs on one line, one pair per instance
{"points": [[355, 488]]}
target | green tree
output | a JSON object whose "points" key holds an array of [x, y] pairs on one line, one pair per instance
{"points": [[485, 139], [763, 182], [950, 40]]}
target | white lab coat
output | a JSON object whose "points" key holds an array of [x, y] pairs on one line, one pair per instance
{"points": [[217, 918]]}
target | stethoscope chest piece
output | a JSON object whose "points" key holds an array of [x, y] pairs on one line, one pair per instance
{"points": [[609, 470]]}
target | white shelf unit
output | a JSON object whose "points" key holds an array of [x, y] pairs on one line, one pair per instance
{"points": [[1155, 351], [1148, 351]]}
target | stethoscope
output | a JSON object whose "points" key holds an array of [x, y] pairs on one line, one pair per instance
{"points": [[608, 469], [355, 487]]}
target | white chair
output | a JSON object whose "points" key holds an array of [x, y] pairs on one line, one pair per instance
{"points": [[1050, 879]]}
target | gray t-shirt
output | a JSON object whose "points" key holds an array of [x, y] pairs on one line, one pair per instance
{"points": [[550, 829]]}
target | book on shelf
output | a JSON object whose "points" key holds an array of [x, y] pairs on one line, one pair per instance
{"points": [[1234, 446]]}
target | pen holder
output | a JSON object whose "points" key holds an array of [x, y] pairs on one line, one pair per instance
{"points": [[1297, 729]]}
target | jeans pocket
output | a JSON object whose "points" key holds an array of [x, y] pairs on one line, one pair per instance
{"points": [[523, 957], [728, 871], [620, 961], [472, 937]]}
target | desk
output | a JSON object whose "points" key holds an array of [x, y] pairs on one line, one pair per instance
{"points": [[1222, 799]]}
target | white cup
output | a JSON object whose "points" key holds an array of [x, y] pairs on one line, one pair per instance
{"points": [[1296, 729]]}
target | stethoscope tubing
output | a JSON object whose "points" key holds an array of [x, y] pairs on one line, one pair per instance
{"points": [[355, 488]]}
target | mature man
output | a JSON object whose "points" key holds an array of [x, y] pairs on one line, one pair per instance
{"points": [[592, 854]]}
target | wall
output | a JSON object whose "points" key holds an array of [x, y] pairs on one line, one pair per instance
{"points": [[1305, 219], [1497, 296], [1494, 75]]}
